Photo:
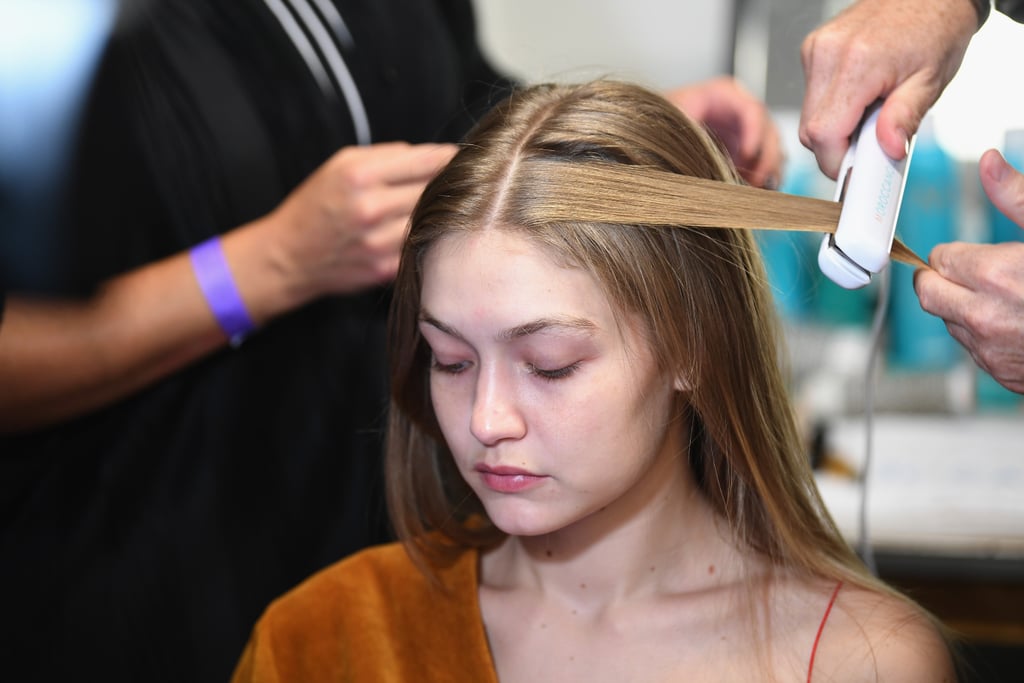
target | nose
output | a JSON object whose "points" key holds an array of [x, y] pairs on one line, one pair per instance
{"points": [[496, 415]]}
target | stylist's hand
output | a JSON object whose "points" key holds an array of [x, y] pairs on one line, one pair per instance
{"points": [[978, 289], [905, 51], [740, 121], [342, 229]]}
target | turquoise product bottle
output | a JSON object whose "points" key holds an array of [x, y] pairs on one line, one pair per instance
{"points": [[786, 259], [1002, 228], [788, 256], [919, 341], [850, 308], [802, 292], [990, 396]]}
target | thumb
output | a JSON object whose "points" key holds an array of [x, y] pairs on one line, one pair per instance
{"points": [[901, 116], [1003, 184]]}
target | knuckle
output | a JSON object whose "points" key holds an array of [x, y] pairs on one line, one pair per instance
{"points": [[854, 50], [984, 322], [804, 134], [354, 176], [824, 44], [813, 131], [365, 211], [987, 357], [975, 321], [382, 268], [924, 296], [807, 48], [938, 258], [995, 275], [349, 169]]}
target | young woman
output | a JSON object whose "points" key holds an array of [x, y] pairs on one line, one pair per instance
{"points": [[592, 462]]}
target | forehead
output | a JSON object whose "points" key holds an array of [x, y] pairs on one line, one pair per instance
{"points": [[506, 276]]}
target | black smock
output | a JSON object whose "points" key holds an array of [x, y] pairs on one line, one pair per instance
{"points": [[141, 542], [1011, 8]]}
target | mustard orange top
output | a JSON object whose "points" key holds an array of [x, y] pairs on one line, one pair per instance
{"points": [[373, 617]]}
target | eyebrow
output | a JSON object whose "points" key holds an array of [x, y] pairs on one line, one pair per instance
{"points": [[519, 331]]}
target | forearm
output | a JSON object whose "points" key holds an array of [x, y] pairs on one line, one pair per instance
{"points": [[339, 232], [62, 359]]}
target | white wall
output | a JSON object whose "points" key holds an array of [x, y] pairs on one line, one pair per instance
{"points": [[985, 99], [662, 43]]}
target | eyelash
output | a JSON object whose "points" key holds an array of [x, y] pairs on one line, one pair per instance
{"points": [[555, 375], [447, 368], [547, 375]]}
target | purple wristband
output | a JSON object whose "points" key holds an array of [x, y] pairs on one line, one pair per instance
{"points": [[214, 276]]}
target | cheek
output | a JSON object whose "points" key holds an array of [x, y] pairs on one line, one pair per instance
{"points": [[583, 430], [620, 421]]}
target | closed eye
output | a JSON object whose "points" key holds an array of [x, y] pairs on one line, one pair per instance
{"points": [[449, 368], [556, 374]]}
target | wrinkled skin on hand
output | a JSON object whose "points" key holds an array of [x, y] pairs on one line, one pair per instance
{"points": [[905, 51], [978, 289]]}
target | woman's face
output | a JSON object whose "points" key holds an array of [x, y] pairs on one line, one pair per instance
{"points": [[550, 408]]}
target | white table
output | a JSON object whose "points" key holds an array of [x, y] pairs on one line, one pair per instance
{"points": [[937, 485]]}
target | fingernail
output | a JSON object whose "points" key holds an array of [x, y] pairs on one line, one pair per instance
{"points": [[1000, 169], [906, 141], [771, 182]]}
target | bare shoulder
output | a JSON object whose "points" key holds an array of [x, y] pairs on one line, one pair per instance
{"points": [[872, 636]]}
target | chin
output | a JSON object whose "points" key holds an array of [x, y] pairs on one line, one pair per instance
{"points": [[516, 518], [522, 518]]}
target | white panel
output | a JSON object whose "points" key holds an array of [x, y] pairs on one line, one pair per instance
{"points": [[662, 43]]}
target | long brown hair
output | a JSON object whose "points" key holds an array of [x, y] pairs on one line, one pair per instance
{"points": [[577, 169]]}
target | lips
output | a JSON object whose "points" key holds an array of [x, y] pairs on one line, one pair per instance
{"points": [[508, 479]]}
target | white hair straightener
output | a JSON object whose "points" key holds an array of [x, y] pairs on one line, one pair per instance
{"points": [[859, 224], [870, 188]]}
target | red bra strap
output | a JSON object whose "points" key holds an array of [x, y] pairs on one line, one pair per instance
{"points": [[821, 627]]}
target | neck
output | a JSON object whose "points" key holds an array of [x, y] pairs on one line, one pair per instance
{"points": [[661, 538]]}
